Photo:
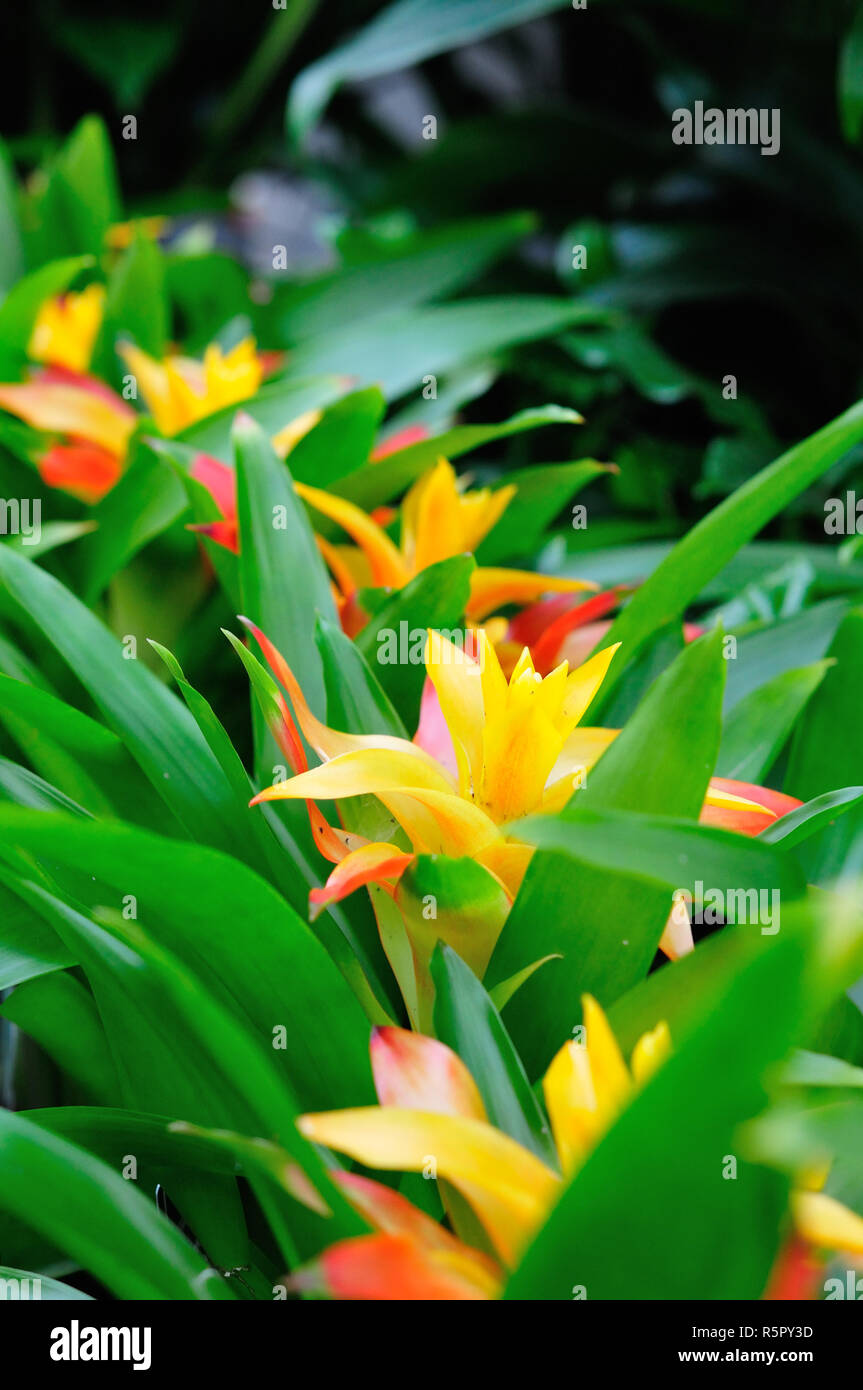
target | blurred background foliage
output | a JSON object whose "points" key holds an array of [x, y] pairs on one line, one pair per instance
{"points": [[303, 126]]}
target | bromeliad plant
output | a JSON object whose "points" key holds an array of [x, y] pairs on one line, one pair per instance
{"points": [[522, 803], [221, 1038], [516, 748]]}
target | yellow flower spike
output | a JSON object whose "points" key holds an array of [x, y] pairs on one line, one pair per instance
{"points": [[66, 329], [494, 682], [180, 390], [525, 734], [234, 375], [587, 1083], [509, 1188], [519, 749], [439, 520], [508, 737]]}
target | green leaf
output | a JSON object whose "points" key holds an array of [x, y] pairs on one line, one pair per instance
{"points": [[27, 788], [819, 1135], [61, 1015], [828, 745], [341, 441], [814, 1069], [381, 481], [668, 850], [28, 946], [606, 925], [78, 754], [400, 350], [627, 349], [542, 492], [503, 992], [238, 936], [423, 266], [97, 43], [136, 307], [85, 174], [758, 727], [712, 542], [207, 290], [455, 901], [48, 1289], [264, 854], [159, 733], [11, 250], [393, 640], [850, 80], [766, 652], [356, 701], [107, 1131], [146, 500], [402, 35], [358, 956], [827, 749], [98, 1218], [467, 1021], [177, 1046], [797, 825], [283, 579], [715, 1239]]}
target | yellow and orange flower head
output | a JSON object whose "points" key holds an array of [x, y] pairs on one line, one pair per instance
{"points": [[181, 390], [438, 520], [517, 748], [516, 745], [430, 1104], [91, 422], [66, 329]]}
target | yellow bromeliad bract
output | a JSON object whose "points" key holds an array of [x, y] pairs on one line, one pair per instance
{"points": [[519, 749], [66, 329], [88, 423], [439, 519], [181, 390], [517, 743]]}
